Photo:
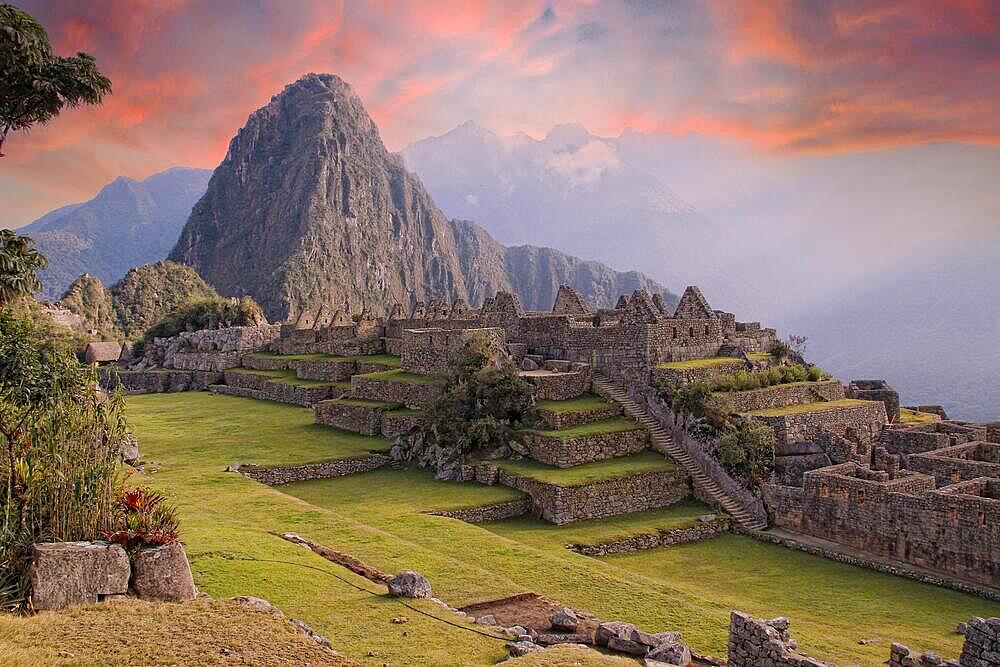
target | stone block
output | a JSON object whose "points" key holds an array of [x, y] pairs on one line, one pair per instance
{"points": [[163, 573], [67, 573]]}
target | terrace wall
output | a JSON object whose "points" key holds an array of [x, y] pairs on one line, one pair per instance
{"points": [[783, 394], [676, 378], [636, 493], [277, 475], [206, 361], [961, 462], [159, 381], [867, 419], [434, 351], [553, 421], [410, 394], [363, 419], [568, 452]]}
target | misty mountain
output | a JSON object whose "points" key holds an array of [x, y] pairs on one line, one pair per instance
{"points": [[128, 223], [777, 237]]}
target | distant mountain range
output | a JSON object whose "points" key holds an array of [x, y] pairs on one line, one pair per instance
{"points": [[309, 208], [127, 224]]}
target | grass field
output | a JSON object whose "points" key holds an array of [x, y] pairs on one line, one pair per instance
{"points": [[583, 403], [612, 425], [380, 518]]}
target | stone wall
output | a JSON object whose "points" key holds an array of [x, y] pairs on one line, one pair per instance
{"points": [[754, 643], [400, 423], [487, 513], [676, 378], [906, 439], [331, 370], [410, 394], [554, 421], [867, 418], [703, 530], [206, 361], [435, 351], [798, 393], [263, 388], [567, 452], [955, 529], [558, 386], [277, 475], [876, 390], [982, 643], [636, 493], [159, 381], [961, 462], [351, 415]]}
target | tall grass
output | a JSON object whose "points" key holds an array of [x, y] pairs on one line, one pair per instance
{"points": [[60, 446]]}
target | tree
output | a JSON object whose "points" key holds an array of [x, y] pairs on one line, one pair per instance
{"points": [[19, 266], [35, 84]]}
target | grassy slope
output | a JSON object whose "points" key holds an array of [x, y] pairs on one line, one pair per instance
{"points": [[226, 519], [587, 473], [142, 633], [914, 417], [807, 407], [706, 362]]}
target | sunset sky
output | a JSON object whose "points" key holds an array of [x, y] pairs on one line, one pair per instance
{"points": [[829, 76]]}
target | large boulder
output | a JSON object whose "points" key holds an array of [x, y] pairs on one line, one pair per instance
{"points": [[409, 584], [608, 629], [65, 573], [163, 573], [671, 653], [564, 620]]}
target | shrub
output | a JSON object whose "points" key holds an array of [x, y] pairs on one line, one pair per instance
{"points": [[142, 518], [780, 350], [815, 373], [62, 441], [746, 450]]}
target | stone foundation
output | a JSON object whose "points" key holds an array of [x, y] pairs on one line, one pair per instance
{"points": [[754, 643], [207, 361], [782, 395], [556, 386], [565, 504], [278, 475], [352, 415], [399, 424], [567, 452], [410, 394], [555, 421], [669, 538], [487, 513], [161, 381], [866, 418]]}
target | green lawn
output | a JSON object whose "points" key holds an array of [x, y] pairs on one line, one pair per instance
{"points": [[914, 417], [707, 362], [283, 377], [582, 403], [758, 356], [806, 407], [611, 425], [403, 376], [588, 473], [380, 518], [598, 531], [404, 412]]}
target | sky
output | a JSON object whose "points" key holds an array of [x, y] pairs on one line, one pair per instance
{"points": [[782, 77]]}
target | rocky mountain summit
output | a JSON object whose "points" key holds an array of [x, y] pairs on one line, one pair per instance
{"points": [[127, 224], [309, 208]]}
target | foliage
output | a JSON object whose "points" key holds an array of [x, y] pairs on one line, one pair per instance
{"points": [[61, 445], [150, 292], [19, 263], [90, 299], [780, 350], [198, 314], [744, 380], [482, 407], [59, 336], [37, 84], [746, 449], [142, 518]]}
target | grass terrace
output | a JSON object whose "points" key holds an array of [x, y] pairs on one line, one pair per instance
{"points": [[806, 407], [532, 530], [582, 403], [588, 473], [907, 416], [387, 359], [707, 362], [759, 356], [364, 403], [612, 425], [404, 412], [403, 376], [379, 518], [285, 377]]}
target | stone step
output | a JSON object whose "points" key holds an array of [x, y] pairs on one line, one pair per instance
{"points": [[660, 437]]}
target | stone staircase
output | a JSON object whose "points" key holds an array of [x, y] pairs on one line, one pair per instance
{"points": [[663, 442]]}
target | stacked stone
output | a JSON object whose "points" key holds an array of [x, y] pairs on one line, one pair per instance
{"points": [[755, 643], [982, 643]]}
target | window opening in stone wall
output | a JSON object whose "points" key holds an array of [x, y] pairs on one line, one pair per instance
{"points": [[954, 515], [982, 519]]}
